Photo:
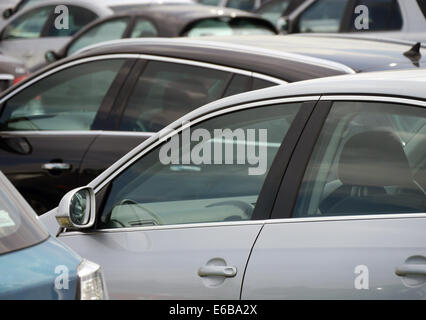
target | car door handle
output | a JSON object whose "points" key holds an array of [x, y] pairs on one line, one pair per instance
{"points": [[56, 166], [411, 270], [221, 271]]}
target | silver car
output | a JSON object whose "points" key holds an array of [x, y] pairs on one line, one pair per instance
{"points": [[313, 190]]}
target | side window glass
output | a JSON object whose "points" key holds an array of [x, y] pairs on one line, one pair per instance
{"points": [[203, 174], [166, 91], [29, 25], [273, 10], [238, 85], [109, 30], [261, 84], [247, 5], [422, 6], [322, 16], [383, 15], [144, 28], [78, 18], [67, 100], [370, 159]]}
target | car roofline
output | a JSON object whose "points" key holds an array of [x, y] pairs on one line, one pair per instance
{"points": [[222, 46]]}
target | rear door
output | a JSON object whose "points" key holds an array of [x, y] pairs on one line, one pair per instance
{"points": [[350, 226], [48, 125], [157, 93]]}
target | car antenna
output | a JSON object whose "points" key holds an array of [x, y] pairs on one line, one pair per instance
{"points": [[414, 54]]}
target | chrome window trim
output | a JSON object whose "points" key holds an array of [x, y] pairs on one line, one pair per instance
{"points": [[131, 158], [374, 98]]}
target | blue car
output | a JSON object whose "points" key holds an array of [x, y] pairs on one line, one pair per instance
{"points": [[34, 265]]}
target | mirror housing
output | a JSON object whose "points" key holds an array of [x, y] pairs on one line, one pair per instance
{"points": [[7, 13], [283, 25], [77, 209], [51, 56]]}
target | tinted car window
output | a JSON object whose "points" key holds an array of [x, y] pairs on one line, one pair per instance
{"points": [[422, 5], [210, 2], [239, 84], [261, 84], [29, 25], [247, 5], [19, 227], [106, 31], [67, 100], [383, 15], [228, 27], [273, 10], [78, 18], [167, 91], [370, 159], [322, 16], [144, 28], [156, 192]]}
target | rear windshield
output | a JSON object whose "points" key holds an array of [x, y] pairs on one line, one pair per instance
{"points": [[228, 27], [19, 227]]}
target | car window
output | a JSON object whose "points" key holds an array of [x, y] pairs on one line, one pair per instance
{"points": [[239, 84], [422, 5], [370, 159], [228, 27], [322, 16], [166, 91], [210, 2], [29, 25], [18, 228], [27, 3], [105, 31], [383, 15], [78, 18], [247, 5], [261, 84], [207, 179], [144, 28], [273, 10], [66, 100]]}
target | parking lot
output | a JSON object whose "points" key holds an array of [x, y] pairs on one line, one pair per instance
{"points": [[213, 150]]}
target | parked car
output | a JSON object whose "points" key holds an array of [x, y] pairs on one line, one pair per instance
{"points": [[33, 264], [12, 71], [34, 30], [247, 5], [65, 125], [166, 21], [273, 10], [334, 192], [396, 19]]}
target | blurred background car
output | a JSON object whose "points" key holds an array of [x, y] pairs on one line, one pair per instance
{"points": [[66, 124], [247, 5], [12, 71], [393, 19], [32, 261], [166, 21], [273, 10]]}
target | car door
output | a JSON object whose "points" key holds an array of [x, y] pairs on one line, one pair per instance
{"points": [[30, 35], [48, 124], [350, 226], [164, 90], [169, 228]]}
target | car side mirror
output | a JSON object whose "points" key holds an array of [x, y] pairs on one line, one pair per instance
{"points": [[7, 13], [51, 56], [77, 209], [283, 25]]}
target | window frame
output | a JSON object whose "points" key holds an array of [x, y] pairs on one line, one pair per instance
{"points": [[284, 206]]}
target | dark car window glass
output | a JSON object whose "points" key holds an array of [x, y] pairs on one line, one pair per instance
{"points": [[238, 84], [322, 16], [383, 15], [166, 91], [67, 100], [28, 26], [144, 28], [422, 5], [218, 187], [228, 27], [18, 228], [105, 31], [247, 5], [210, 2], [27, 3], [370, 159], [273, 10], [78, 18], [261, 84]]}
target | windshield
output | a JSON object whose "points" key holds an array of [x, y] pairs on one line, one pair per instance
{"points": [[228, 27], [19, 227]]}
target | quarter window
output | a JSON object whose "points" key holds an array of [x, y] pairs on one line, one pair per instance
{"points": [[383, 15], [144, 28], [78, 18], [370, 159], [217, 187], [67, 100]]}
